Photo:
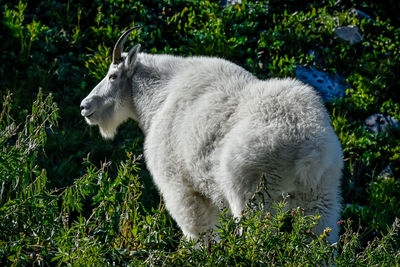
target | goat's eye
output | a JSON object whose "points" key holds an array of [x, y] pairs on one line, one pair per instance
{"points": [[113, 77]]}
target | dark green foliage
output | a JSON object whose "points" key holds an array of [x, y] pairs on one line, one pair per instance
{"points": [[57, 206]]}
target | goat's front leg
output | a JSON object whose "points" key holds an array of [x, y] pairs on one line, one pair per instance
{"points": [[193, 212]]}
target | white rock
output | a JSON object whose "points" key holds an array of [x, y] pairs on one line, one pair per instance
{"points": [[377, 123], [231, 2], [387, 172], [361, 15], [328, 85], [349, 33]]}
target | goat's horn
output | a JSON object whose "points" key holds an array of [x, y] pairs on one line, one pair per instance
{"points": [[119, 46]]}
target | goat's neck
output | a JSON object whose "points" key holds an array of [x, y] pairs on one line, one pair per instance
{"points": [[149, 85]]}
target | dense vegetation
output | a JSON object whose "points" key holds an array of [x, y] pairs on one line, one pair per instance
{"points": [[69, 197]]}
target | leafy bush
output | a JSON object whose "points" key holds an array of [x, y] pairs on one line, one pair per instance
{"points": [[59, 206], [99, 220]]}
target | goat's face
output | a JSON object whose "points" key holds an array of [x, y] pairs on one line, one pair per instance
{"points": [[110, 103]]}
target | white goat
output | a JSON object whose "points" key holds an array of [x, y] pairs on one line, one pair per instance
{"points": [[212, 129]]}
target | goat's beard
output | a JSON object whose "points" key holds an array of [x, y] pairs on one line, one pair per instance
{"points": [[108, 132], [108, 126], [112, 118]]}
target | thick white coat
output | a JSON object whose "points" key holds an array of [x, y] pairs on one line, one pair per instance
{"points": [[212, 129]]}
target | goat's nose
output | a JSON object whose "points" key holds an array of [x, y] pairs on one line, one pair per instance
{"points": [[84, 104], [85, 107]]}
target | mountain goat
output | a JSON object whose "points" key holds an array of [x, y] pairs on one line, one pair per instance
{"points": [[212, 129]]}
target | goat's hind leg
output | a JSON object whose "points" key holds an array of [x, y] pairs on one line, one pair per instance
{"points": [[238, 185], [323, 199], [238, 174]]}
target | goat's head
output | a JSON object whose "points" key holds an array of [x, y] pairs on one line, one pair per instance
{"points": [[110, 103]]}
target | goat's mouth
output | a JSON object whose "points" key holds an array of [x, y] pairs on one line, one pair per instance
{"points": [[89, 115], [90, 118]]}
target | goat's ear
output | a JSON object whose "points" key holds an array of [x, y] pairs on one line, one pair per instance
{"points": [[131, 58]]}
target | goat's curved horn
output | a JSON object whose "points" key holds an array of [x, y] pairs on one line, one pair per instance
{"points": [[119, 46]]}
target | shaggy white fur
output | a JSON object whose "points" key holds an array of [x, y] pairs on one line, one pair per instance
{"points": [[212, 129]]}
